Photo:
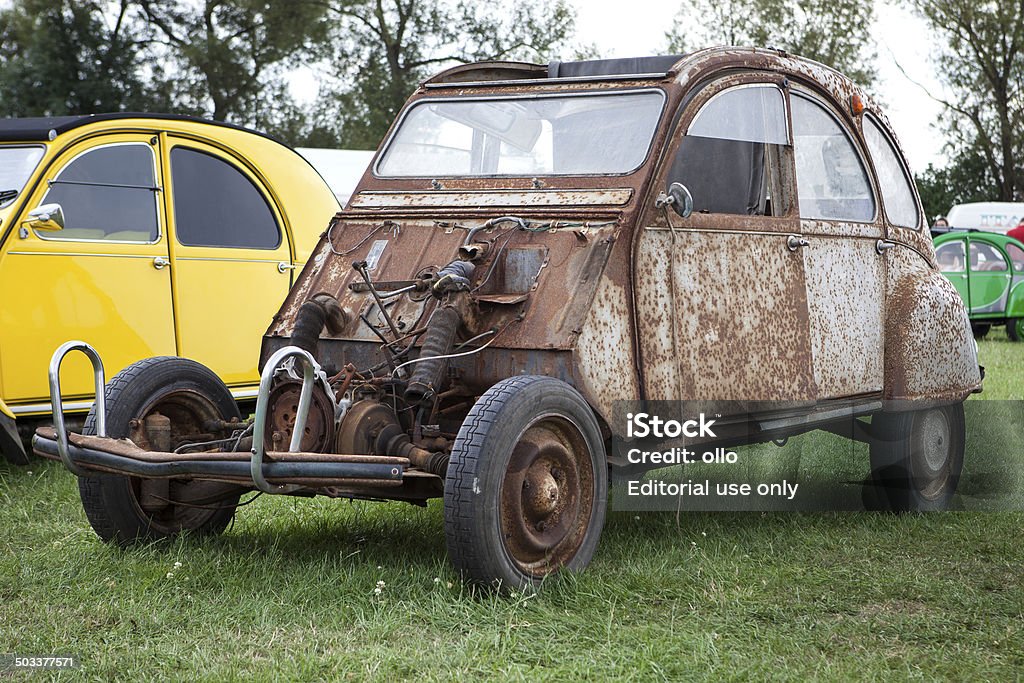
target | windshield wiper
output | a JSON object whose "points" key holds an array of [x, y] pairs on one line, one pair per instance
{"points": [[7, 195]]}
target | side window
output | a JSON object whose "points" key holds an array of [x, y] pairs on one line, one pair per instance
{"points": [[986, 258], [951, 257], [216, 205], [831, 181], [900, 206], [107, 193], [1016, 257], [730, 155]]}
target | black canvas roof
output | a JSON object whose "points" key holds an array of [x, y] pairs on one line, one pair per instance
{"points": [[613, 67], [38, 128]]}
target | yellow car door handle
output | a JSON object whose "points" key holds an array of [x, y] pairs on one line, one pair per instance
{"points": [[284, 267], [160, 263]]}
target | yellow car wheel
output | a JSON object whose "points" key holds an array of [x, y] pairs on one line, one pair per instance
{"points": [[158, 402]]}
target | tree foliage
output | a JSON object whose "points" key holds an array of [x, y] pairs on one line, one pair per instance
{"points": [[833, 32], [981, 59], [965, 179], [385, 48], [229, 57], [73, 57]]}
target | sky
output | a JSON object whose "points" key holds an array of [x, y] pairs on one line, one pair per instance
{"points": [[900, 36]]}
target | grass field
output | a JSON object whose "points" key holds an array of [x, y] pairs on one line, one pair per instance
{"points": [[289, 593]]}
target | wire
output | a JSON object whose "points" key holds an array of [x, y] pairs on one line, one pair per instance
{"points": [[395, 227], [453, 355], [179, 503]]}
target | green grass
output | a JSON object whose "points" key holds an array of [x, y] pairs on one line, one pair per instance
{"points": [[288, 593]]}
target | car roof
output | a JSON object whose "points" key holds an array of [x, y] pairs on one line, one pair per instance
{"points": [[42, 128], [978, 235]]}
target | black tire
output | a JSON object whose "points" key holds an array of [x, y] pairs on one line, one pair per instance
{"points": [[1015, 329], [980, 329], [501, 530], [917, 458], [184, 391]]}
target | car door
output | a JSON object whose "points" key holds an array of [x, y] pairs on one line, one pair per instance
{"points": [[101, 279], [990, 277], [720, 295], [845, 270], [231, 258]]}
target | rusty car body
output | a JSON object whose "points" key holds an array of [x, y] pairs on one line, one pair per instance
{"points": [[735, 224]]}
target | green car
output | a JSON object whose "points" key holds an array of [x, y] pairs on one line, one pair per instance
{"points": [[990, 281]]}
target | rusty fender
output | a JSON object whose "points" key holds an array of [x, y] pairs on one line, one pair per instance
{"points": [[930, 352]]}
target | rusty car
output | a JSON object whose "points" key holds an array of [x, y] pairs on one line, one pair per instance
{"points": [[533, 244]]}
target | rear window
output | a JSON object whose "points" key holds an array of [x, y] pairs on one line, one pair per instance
{"points": [[216, 205]]}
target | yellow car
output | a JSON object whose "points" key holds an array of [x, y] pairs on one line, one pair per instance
{"points": [[143, 235]]}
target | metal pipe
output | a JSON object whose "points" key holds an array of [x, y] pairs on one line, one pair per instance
{"points": [[238, 469], [100, 406], [309, 372]]}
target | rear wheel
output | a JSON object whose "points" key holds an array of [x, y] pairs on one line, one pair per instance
{"points": [[980, 329], [1015, 329], [126, 510], [917, 458], [527, 484]]}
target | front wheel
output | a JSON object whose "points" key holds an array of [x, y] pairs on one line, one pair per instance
{"points": [[980, 329], [181, 396], [917, 457], [527, 484], [1015, 329]]}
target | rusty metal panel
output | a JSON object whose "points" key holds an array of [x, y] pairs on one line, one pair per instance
{"points": [[738, 316], [845, 299], [604, 350], [564, 270], [930, 350], [615, 197]]}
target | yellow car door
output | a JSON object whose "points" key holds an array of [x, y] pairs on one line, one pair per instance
{"points": [[102, 278], [231, 258]]}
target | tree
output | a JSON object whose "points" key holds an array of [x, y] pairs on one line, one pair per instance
{"points": [[833, 32], [981, 59], [229, 57], [385, 48], [965, 179], [67, 57]]}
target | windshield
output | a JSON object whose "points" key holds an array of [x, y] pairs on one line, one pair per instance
{"points": [[608, 133], [16, 165]]}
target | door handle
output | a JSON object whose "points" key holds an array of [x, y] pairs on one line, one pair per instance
{"points": [[794, 243], [284, 266], [882, 246], [160, 263]]}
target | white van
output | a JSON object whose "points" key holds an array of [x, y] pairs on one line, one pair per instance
{"points": [[987, 216]]}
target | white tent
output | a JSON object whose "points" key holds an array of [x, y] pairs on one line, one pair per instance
{"points": [[341, 168]]}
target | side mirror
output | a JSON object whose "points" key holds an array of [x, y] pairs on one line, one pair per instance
{"points": [[48, 217], [682, 200]]}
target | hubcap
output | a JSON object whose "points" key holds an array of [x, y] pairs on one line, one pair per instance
{"points": [[932, 445], [547, 496]]}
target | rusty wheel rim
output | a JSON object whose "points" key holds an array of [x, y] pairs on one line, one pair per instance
{"points": [[547, 496], [188, 411], [932, 445]]}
